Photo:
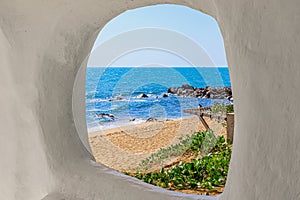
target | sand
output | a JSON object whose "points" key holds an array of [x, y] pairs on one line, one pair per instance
{"points": [[124, 148]]}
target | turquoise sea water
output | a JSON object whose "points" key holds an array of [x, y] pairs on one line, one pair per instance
{"points": [[115, 90]]}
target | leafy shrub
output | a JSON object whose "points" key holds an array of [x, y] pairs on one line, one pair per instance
{"points": [[206, 172], [221, 108], [218, 108], [198, 142], [229, 108], [219, 111]]}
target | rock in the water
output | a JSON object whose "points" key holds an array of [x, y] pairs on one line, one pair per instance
{"points": [[142, 96], [106, 115], [151, 119], [207, 92], [165, 95], [207, 95], [119, 97], [172, 90], [187, 87]]}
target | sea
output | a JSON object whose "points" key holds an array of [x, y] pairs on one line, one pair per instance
{"points": [[116, 91]]}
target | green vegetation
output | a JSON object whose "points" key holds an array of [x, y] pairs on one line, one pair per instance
{"points": [[221, 108], [229, 108], [206, 172], [198, 142], [218, 109]]}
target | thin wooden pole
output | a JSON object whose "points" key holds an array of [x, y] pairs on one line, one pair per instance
{"points": [[203, 122], [199, 112]]}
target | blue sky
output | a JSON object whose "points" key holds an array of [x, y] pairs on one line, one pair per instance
{"points": [[197, 26]]}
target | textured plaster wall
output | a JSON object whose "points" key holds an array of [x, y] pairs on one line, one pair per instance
{"points": [[43, 44]]}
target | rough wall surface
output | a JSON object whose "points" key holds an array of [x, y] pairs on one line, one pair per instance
{"points": [[43, 44]]}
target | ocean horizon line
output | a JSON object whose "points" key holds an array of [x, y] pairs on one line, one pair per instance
{"points": [[157, 66]]}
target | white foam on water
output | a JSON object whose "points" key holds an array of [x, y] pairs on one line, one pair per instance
{"points": [[115, 124]]}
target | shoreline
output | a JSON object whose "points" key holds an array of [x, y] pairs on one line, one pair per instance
{"points": [[117, 125]]}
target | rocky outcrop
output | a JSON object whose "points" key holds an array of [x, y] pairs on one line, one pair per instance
{"points": [[207, 92]]}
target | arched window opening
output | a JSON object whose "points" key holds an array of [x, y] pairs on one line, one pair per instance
{"points": [[159, 105]]}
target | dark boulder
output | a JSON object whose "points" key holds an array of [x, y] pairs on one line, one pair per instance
{"points": [[187, 87], [106, 115], [172, 90], [151, 119], [142, 96]]}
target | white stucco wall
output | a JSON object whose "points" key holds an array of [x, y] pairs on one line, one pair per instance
{"points": [[43, 44]]}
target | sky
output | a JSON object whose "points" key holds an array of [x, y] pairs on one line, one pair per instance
{"points": [[186, 25]]}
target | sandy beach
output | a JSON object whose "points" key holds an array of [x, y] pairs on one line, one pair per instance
{"points": [[125, 147]]}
